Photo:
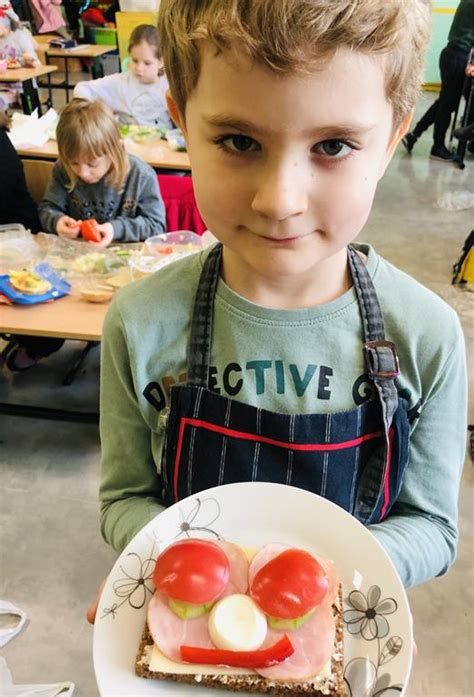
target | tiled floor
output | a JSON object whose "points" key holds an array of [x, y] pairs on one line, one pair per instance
{"points": [[52, 556]]}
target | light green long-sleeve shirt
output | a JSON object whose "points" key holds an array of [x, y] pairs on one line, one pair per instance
{"points": [[291, 361]]}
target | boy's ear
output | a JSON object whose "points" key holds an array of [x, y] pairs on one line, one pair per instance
{"points": [[396, 137], [174, 111]]}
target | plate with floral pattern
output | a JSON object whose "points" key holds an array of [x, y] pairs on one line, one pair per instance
{"points": [[378, 641]]}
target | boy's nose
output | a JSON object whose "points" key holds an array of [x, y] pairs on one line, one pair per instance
{"points": [[280, 193]]}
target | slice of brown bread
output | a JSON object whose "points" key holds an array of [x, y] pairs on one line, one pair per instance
{"points": [[325, 686]]}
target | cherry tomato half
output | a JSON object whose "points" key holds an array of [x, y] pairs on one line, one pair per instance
{"points": [[289, 585], [89, 230], [196, 571]]}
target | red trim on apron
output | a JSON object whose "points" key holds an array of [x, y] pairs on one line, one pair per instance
{"points": [[310, 447], [386, 482]]}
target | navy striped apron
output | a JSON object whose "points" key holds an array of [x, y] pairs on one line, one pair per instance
{"points": [[355, 458]]}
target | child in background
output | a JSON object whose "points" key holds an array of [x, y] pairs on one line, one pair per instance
{"points": [[291, 113], [16, 204], [16, 47], [96, 178], [136, 96]]}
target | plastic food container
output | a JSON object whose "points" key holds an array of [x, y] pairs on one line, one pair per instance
{"points": [[173, 245], [161, 250], [145, 265]]}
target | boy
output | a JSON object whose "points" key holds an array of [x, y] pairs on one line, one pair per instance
{"points": [[291, 112]]}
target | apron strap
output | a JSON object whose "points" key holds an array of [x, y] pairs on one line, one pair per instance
{"points": [[199, 347], [382, 367]]}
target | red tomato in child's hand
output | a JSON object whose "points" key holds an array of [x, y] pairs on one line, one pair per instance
{"points": [[289, 585], [194, 571], [89, 230]]}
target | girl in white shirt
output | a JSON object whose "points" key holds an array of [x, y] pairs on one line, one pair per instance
{"points": [[137, 96], [16, 46]]}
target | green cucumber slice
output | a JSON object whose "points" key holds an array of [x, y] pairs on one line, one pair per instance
{"points": [[188, 611], [290, 625]]}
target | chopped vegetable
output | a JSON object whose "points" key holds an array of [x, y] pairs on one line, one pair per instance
{"points": [[89, 230], [263, 658], [188, 611]]}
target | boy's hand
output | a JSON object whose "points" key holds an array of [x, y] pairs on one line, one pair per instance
{"points": [[68, 228], [107, 232], [470, 70], [92, 611]]}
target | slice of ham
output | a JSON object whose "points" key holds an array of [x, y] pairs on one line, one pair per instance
{"points": [[313, 644], [169, 632], [239, 568], [270, 551]]}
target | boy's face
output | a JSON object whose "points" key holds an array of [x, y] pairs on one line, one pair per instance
{"points": [[285, 168]]}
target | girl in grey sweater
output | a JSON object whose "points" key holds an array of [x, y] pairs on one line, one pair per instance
{"points": [[96, 178]]}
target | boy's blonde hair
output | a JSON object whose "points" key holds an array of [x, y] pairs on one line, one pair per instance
{"points": [[291, 35], [89, 130]]}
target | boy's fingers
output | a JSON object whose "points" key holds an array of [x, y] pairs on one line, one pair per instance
{"points": [[92, 611]]}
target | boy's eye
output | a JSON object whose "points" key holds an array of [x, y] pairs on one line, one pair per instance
{"points": [[333, 148], [237, 143]]}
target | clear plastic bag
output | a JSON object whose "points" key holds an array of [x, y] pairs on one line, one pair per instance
{"points": [[456, 200], [17, 248], [85, 266]]}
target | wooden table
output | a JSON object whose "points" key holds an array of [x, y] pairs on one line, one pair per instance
{"points": [[67, 318], [93, 51], [70, 317], [29, 98], [157, 153]]}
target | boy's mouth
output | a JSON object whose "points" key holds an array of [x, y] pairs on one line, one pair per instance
{"points": [[274, 239]]}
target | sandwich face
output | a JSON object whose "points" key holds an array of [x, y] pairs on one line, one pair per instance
{"points": [[286, 640]]}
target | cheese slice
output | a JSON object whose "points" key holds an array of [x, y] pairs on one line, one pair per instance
{"points": [[160, 663]]}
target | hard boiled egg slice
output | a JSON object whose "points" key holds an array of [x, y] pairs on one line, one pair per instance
{"points": [[236, 623]]}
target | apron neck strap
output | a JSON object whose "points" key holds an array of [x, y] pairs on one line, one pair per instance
{"points": [[380, 355], [200, 341]]}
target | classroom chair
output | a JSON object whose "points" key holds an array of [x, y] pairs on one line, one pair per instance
{"points": [[181, 209], [37, 175]]}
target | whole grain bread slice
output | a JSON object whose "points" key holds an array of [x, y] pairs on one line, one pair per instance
{"points": [[324, 686]]}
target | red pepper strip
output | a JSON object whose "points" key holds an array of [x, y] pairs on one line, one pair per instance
{"points": [[262, 658]]}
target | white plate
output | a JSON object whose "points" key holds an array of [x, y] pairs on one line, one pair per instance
{"points": [[378, 627]]}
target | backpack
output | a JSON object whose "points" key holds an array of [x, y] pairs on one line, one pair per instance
{"points": [[463, 269]]}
